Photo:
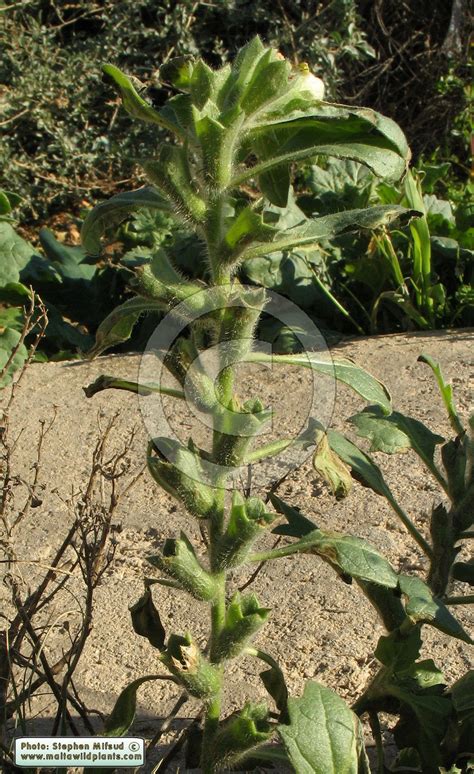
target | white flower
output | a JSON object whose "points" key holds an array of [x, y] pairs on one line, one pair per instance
{"points": [[309, 82]]}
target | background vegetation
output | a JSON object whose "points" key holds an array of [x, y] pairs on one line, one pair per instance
{"points": [[68, 144]]}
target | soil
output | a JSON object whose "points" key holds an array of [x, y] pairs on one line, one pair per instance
{"points": [[320, 628]]}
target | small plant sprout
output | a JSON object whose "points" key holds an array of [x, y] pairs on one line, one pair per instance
{"points": [[236, 135]]}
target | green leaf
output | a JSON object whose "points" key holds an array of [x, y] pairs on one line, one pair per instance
{"points": [[396, 433], [355, 557], [15, 254], [114, 210], [123, 713], [133, 102], [446, 391], [351, 555], [363, 468], [422, 607], [275, 685], [8, 202], [359, 134], [274, 183], [171, 173], [423, 722], [248, 226], [69, 261], [314, 230], [462, 693], [14, 293], [178, 71], [464, 572], [323, 735], [366, 385], [119, 324], [398, 650], [9, 339]]}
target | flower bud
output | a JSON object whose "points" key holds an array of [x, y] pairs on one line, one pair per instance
{"points": [[239, 736], [248, 518], [180, 562], [178, 470], [185, 661], [306, 81], [244, 617]]}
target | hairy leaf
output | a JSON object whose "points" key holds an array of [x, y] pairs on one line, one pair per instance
{"points": [[314, 230], [422, 607], [118, 326], [361, 381], [335, 130], [114, 210], [323, 735], [396, 433]]}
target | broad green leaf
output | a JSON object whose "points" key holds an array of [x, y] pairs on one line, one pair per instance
{"points": [[171, 173], [464, 572], [15, 254], [396, 433], [243, 68], [248, 226], [9, 363], [12, 317], [323, 735], [118, 326], [275, 685], [359, 134], [68, 260], [426, 674], [462, 693], [178, 71], [275, 183], [352, 556], [369, 474], [355, 557], [366, 385], [114, 210], [201, 84], [424, 721], [314, 230], [269, 81], [422, 607], [14, 293], [398, 650], [133, 102]]}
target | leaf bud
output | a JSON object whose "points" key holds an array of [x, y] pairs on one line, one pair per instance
{"points": [[180, 562], [248, 518], [244, 617], [178, 470], [239, 736]]}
